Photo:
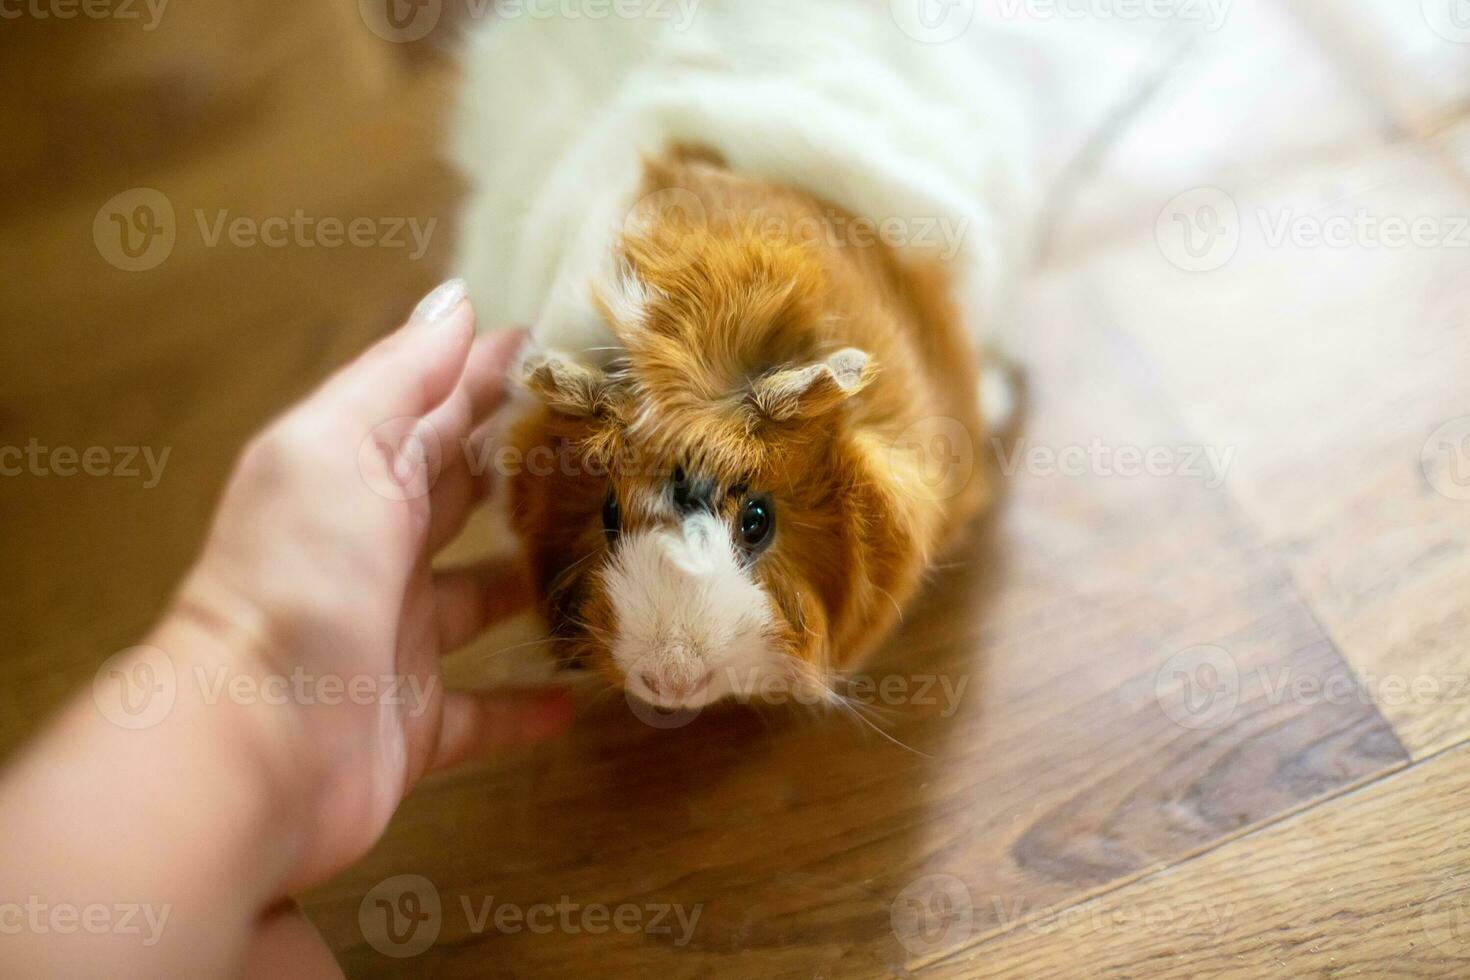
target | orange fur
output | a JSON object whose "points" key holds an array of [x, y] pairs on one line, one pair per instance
{"points": [[722, 373]]}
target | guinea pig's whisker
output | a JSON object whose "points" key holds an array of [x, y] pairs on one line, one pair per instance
{"points": [[835, 699], [853, 712], [876, 712], [947, 566], [576, 564], [527, 643], [601, 696], [896, 608], [593, 630], [563, 578], [801, 621], [580, 623]]}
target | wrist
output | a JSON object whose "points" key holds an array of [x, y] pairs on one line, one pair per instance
{"points": [[248, 744], [152, 792], [225, 667]]}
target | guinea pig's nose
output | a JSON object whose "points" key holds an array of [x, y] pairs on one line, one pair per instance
{"points": [[675, 685]]}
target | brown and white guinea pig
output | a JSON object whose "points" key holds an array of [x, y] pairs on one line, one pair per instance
{"points": [[755, 249]]}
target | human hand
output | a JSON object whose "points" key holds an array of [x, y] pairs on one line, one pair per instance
{"points": [[318, 566]]}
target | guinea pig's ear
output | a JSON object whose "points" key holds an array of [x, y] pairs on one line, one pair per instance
{"points": [[565, 385], [814, 389]]}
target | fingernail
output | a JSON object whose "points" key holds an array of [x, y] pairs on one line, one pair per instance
{"points": [[439, 304]]}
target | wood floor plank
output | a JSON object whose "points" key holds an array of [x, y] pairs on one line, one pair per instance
{"points": [[1335, 373], [1106, 679], [191, 356], [1371, 884], [1069, 759], [1232, 101]]}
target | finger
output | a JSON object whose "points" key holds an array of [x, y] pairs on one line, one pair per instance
{"points": [[487, 376], [452, 427], [450, 502], [481, 387], [284, 944], [414, 369], [467, 600], [466, 480], [480, 722]]}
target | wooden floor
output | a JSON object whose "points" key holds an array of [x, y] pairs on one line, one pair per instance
{"points": [[1192, 727]]}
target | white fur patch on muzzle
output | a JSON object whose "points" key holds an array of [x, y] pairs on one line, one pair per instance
{"points": [[689, 618]]}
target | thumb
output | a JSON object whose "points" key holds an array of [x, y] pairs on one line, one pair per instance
{"points": [[413, 369]]}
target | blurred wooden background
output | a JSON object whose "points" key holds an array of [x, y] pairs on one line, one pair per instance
{"points": [[1060, 819]]}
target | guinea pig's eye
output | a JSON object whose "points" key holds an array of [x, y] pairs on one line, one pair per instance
{"points": [[612, 517], [756, 523]]}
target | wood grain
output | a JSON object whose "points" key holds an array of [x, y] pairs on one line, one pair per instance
{"points": [[1252, 98], [190, 357], [1058, 771], [1119, 691], [1336, 455], [1370, 884]]}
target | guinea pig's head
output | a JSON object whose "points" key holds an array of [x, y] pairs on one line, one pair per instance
{"points": [[695, 507]]}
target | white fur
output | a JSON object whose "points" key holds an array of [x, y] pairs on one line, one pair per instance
{"points": [[557, 115], [828, 95], [626, 296], [846, 367], [999, 399], [685, 610]]}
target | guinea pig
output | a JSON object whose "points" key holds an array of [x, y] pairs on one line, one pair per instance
{"points": [[739, 386]]}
